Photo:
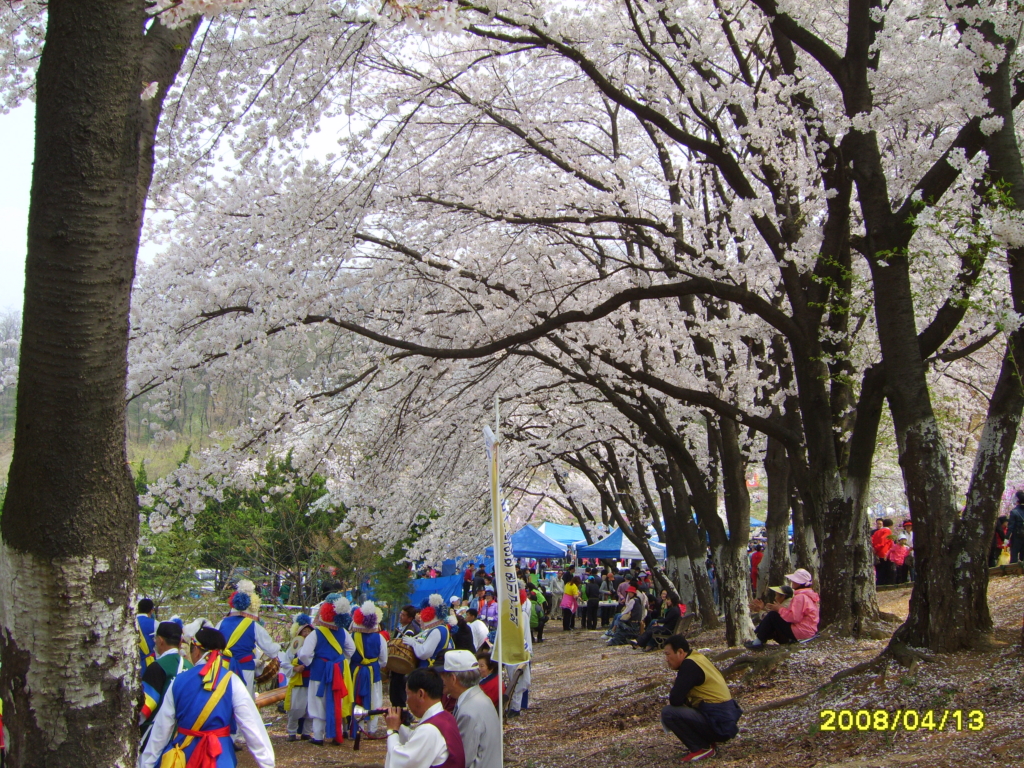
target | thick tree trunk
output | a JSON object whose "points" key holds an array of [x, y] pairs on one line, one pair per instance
{"points": [[961, 566], [70, 519], [679, 522], [776, 563], [847, 571], [731, 551], [805, 545]]}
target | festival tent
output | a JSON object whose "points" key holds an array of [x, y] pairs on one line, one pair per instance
{"points": [[615, 546], [563, 534], [530, 542]]}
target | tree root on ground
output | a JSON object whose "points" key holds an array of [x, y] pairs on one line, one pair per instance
{"points": [[899, 652], [755, 664]]}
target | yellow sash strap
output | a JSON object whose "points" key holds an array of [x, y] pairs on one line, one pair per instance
{"points": [[448, 644], [237, 634], [346, 705], [331, 639], [175, 757], [357, 638], [144, 646], [295, 681]]}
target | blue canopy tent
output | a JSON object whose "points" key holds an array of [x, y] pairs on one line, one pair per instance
{"points": [[530, 542], [615, 546], [563, 534]]}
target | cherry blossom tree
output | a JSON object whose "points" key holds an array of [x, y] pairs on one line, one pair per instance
{"points": [[750, 210]]}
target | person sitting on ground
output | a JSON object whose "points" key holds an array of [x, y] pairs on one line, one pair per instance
{"points": [[663, 626], [788, 623], [490, 677], [628, 622], [701, 710]]}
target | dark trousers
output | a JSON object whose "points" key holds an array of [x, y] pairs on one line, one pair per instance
{"points": [[774, 627], [883, 572], [396, 690], [646, 640], [467, 588], [606, 615], [568, 619], [690, 726], [590, 618], [1016, 547], [539, 629]]}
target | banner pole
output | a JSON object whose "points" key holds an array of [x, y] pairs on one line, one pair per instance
{"points": [[498, 547]]}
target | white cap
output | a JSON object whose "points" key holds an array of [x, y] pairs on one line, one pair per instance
{"points": [[460, 661]]}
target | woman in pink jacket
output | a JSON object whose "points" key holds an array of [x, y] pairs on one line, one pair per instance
{"points": [[790, 623]]}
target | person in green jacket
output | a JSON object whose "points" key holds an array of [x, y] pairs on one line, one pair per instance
{"points": [[539, 614]]}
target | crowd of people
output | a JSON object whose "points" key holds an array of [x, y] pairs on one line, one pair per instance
{"points": [[894, 551], [198, 680]]}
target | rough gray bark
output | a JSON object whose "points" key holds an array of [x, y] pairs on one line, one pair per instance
{"points": [[776, 563], [70, 520], [731, 551]]}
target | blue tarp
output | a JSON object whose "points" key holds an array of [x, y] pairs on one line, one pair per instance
{"points": [[615, 546], [445, 586], [563, 534]]}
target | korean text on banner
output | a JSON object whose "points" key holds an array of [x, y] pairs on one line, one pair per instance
{"points": [[511, 647]]}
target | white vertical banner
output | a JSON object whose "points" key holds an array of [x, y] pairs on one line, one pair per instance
{"points": [[510, 637]]}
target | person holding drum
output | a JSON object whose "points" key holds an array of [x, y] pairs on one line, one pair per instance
{"points": [[436, 636], [397, 653]]}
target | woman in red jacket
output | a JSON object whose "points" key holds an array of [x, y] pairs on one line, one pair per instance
{"points": [[881, 542]]}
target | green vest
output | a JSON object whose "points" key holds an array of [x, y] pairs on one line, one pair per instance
{"points": [[714, 689], [169, 664]]}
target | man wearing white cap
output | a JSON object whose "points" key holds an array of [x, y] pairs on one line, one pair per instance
{"points": [[475, 714], [788, 623]]}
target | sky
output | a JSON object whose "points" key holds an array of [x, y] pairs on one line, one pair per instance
{"points": [[16, 132]]}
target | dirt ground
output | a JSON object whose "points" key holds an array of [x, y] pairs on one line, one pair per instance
{"points": [[598, 707], [592, 705], [302, 754]]}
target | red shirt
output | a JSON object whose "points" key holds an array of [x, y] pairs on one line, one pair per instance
{"points": [[755, 561], [489, 685], [881, 542]]}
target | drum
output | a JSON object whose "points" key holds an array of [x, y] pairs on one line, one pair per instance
{"points": [[401, 659], [269, 672]]}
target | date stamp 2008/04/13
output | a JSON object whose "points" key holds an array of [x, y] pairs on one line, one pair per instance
{"points": [[901, 719]]}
